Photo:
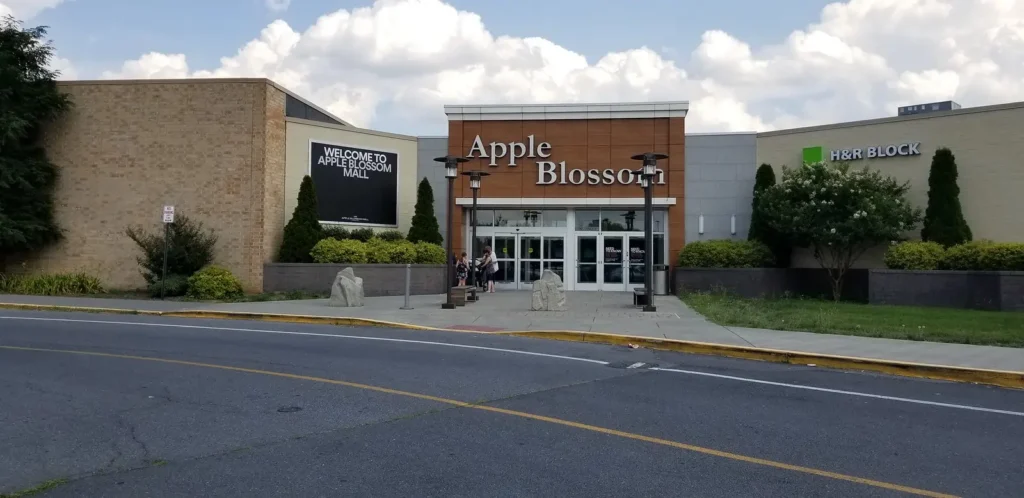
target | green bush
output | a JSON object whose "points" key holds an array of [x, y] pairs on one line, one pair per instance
{"points": [[361, 234], [429, 254], [915, 256], [339, 251], [726, 254], [177, 286], [1008, 256], [985, 255], [60, 284], [965, 256], [214, 283], [334, 232], [401, 252], [377, 251], [391, 236], [191, 248]]}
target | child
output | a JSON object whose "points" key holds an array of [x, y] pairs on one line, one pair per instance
{"points": [[462, 269]]}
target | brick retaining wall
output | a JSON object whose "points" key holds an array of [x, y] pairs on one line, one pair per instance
{"points": [[378, 280]]}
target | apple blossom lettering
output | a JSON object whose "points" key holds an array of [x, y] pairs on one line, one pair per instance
{"points": [[552, 172]]}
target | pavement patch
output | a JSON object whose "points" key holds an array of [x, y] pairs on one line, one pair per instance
{"points": [[531, 416]]}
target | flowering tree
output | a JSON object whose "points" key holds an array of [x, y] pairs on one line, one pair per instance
{"points": [[839, 213]]}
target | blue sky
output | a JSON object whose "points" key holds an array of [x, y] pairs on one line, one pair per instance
{"points": [[744, 65]]}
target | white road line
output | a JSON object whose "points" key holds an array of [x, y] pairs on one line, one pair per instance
{"points": [[312, 334], [838, 391], [529, 353], [636, 365]]}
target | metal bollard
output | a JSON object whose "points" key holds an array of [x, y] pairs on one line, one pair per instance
{"points": [[408, 283]]}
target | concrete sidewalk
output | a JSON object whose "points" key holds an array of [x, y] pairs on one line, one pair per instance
{"points": [[607, 312]]}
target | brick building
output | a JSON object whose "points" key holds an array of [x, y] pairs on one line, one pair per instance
{"points": [[229, 153]]}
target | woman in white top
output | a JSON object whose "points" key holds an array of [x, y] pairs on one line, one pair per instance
{"points": [[490, 267]]}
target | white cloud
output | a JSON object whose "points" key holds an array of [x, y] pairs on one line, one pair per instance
{"points": [[278, 5], [398, 61], [24, 10], [64, 67]]}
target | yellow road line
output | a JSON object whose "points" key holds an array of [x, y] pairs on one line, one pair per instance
{"points": [[531, 416]]}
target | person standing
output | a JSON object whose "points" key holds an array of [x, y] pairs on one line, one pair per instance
{"points": [[490, 267], [462, 270]]}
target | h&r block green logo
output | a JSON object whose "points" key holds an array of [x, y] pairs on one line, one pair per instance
{"points": [[813, 155]]}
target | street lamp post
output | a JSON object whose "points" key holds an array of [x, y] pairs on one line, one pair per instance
{"points": [[647, 174], [474, 183], [451, 170]]}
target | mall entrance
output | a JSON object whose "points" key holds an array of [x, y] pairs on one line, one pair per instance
{"points": [[591, 249]]}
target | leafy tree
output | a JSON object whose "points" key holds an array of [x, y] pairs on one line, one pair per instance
{"points": [[190, 249], [838, 213], [303, 231], [760, 230], [944, 221], [29, 99], [424, 223]]}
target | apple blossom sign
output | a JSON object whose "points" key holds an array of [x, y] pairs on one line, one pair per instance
{"points": [[550, 172]]}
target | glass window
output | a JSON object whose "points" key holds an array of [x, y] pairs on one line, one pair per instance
{"points": [[517, 218], [659, 249], [631, 220], [588, 221], [505, 247], [530, 248], [659, 221], [554, 248], [484, 217], [554, 218]]}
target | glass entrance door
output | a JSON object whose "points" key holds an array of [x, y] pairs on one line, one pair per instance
{"points": [[505, 252], [637, 253], [523, 256], [609, 262], [587, 263], [614, 264]]}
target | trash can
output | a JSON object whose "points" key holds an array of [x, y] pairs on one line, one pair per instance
{"points": [[660, 280]]}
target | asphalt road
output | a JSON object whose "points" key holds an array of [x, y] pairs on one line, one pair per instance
{"points": [[175, 407]]}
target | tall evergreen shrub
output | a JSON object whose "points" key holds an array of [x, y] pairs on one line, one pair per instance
{"points": [[760, 230], [944, 221], [424, 223], [303, 231]]}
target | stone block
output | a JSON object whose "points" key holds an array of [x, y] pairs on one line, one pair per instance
{"points": [[548, 293], [347, 290]]}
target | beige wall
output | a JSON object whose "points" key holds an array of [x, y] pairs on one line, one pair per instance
{"points": [[212, 148], [301, 131], [986, 142]]}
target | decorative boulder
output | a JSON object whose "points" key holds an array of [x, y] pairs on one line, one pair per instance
{"points": [[347, 290], [548, 293]]}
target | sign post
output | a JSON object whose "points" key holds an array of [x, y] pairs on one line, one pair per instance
{"points": [[168, 219]]}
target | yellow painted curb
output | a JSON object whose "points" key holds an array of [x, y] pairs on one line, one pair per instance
{"points": [[305, 319], [76, 309], [1002, 378]]}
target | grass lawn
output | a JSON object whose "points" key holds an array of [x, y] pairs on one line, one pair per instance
{"points": [[993, 328]]}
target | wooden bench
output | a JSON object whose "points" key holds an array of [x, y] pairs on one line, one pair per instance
{"points": [[639, 296], [459, 294]]}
